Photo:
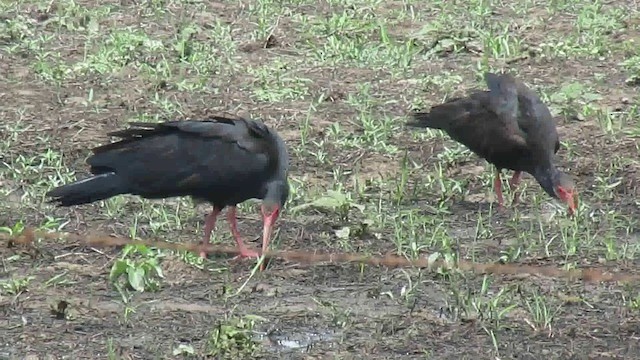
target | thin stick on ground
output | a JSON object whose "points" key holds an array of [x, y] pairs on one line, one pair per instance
{"points": [[389, 260]]}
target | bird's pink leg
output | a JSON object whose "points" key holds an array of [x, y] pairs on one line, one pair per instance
{"points": [[513, 185], [233, 224], [209, 225], [497, 184]]}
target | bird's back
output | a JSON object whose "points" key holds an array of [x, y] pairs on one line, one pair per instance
{"points": [[536, 121], [222, 160]]}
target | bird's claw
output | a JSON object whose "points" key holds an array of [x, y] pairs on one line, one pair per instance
{"points": [[500, 208], [246, 253], [516, 198]]}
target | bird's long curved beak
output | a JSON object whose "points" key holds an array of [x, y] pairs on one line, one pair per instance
{"points": [[574, 202], [572, 206], [269, 217]]}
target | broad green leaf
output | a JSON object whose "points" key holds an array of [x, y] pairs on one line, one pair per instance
{"points": [[136, 279]]}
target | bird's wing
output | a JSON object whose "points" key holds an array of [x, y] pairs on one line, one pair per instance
{"points": [[503, 101], [473, 121], [180, 157], [535, 118]]}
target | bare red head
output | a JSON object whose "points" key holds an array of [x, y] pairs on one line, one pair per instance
{"points": [[565, 190], [558, 185]]}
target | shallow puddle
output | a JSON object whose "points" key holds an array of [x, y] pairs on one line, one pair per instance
{"points": [[297, 341]]}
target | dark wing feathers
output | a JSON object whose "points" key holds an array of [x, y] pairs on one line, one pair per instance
{"points": [[480, 130], [157, 160], [524, 113], [239, 131], [471, 121], [248, 134], [503, 97], [508, 125], [536, 117]]}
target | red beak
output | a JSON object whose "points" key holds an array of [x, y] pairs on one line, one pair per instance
{"points": [[569, 197], [267, 229]]}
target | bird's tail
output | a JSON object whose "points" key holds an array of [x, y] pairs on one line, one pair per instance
{"points": [[425, 120], [439, 117], [85, 191]]}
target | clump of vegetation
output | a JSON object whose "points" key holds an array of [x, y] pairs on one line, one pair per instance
{"points": [[234, 338], [138, 269]]}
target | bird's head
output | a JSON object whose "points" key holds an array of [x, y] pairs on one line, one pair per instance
{"points": [[276, 195], [558, 185]]}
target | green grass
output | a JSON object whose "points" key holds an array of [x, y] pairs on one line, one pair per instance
{"points": [[336, 79]]}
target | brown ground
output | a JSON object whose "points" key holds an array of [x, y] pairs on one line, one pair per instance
{"points": [[69, 75]]}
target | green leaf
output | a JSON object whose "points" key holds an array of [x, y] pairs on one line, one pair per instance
{"points": [[158, 270], [252, 317], [183, 349], [119, 267], [93, 25], [333, 200], [136, 279], [432, 259], [343, 233]]}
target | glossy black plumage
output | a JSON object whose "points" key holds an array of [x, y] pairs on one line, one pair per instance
{"points": [[510, 127], [220, 160]]}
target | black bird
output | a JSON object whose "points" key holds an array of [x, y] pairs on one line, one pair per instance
{"points": [[220, 160], [511, 128]]}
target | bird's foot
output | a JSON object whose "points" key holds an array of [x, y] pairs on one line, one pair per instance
{"points": [[245, 253], [516, 198], [499, 207], [513, 186]]}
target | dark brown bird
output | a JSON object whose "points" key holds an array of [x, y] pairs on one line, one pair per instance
{"points": [[511, 128], [221, 161]]}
